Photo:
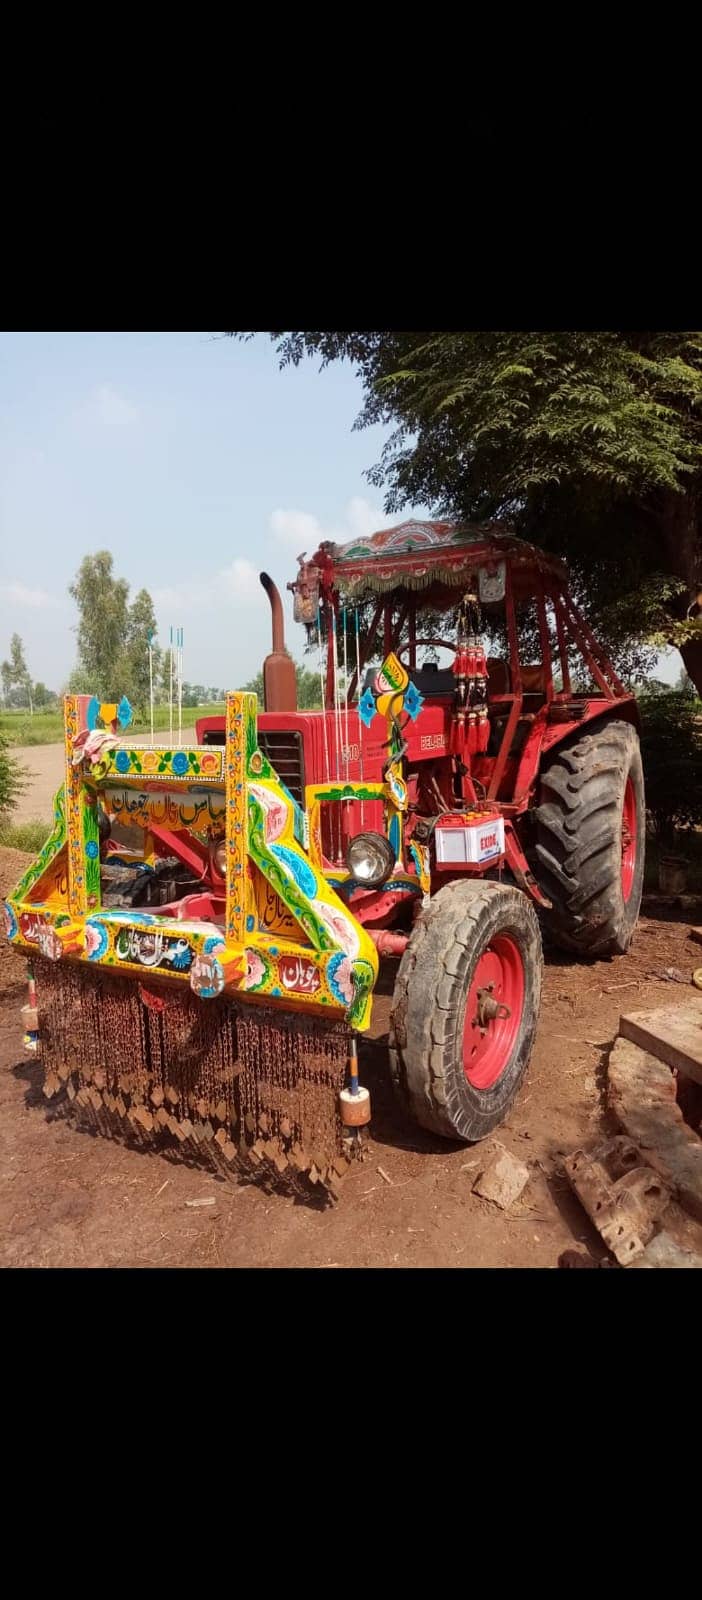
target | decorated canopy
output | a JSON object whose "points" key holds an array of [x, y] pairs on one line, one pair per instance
{"points": [[422, 556]]}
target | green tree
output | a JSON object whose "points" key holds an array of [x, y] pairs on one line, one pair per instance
{"points": [[101, 599], [309, 691], [134, 662], [685, 685], [15, 673], [12, 781], [590, 444], [671, 750], [43, 697]]}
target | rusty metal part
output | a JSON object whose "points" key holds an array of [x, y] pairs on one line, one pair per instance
{"points": [[279, 678], [623, 1196], [520, 869], [239, 1088], [488, 1009], [387, 942]]}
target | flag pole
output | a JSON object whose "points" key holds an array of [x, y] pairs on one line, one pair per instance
{"points": [[151, 685]]}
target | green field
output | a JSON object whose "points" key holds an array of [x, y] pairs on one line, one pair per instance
{"points": [[46, 727]]}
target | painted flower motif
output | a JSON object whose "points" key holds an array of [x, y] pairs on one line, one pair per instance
{"points": [[180, 763], [150, 761], [366, 707], [256, 970], [340, 979], [275, 812], [250, 923], [122, 762], [209, 764], [413, 701], [341, 928], [10, 922], [179, 955], [92, 850], [96, 940]]}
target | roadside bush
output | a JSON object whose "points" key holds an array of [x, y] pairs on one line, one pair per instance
{"points": [[11, 781], [671, 748]]}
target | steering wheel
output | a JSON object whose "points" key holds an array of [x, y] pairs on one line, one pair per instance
{"points": [[441, 644]]}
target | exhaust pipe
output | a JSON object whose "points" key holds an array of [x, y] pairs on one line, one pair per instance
{"points": [[279, 680]]}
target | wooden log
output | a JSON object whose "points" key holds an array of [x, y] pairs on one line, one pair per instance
{"points": [[673, 1034]]}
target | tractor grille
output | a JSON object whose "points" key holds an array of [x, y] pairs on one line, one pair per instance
{"points": [[283, 747]]}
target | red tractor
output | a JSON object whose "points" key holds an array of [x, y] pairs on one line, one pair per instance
{"points": [[447, 805]]}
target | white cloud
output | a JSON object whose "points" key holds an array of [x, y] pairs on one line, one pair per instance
{"points": [[300, 530], [240, 578], [19, 595], [237, 583], [112, 408], [363, 519]]}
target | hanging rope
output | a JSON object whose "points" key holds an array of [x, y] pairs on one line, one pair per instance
{"points": [[346, 703], [358, 704], [337, 732], [323, 689]]}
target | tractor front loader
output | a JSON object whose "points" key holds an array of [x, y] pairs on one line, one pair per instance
{"points": [[205, 924]]}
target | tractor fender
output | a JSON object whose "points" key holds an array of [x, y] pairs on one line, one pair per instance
{"points": [[547, 737], [624, 710]]}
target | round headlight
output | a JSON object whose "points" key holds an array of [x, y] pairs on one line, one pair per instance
{"points": [[220, 859], [370, 859]]}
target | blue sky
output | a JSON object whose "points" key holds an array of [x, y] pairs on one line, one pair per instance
{"points": [[195, 461]]}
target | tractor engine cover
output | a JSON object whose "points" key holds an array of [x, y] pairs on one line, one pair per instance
{"points": [[469, 839]]}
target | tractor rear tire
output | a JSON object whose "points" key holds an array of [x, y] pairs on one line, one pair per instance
{"points": [[590, 840], [454, 1069]]}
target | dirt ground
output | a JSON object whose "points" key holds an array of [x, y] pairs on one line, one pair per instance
{"points": [[43, 764], [68, 1199]]}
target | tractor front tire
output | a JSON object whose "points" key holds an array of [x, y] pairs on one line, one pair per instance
{"points": [[590, 840], [456, 1068]]}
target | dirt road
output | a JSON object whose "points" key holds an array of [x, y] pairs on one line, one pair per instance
{"points": [[43, 764], [70, 1200]]}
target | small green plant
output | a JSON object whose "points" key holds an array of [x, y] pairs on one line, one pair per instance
{"points": [[12, 780], [29, 836]]}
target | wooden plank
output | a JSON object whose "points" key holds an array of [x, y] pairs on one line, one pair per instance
{"points": [[673, 1034]]}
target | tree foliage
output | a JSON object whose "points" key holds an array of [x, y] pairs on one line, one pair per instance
{"points": [[113, 636], [141, 627], [102, 601], [588, 443], [309, 689], [16, 675], [11, 781], [671, 749]]}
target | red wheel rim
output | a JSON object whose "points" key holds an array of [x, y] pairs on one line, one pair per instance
{"points": [[628, 839], [488, 1040]]}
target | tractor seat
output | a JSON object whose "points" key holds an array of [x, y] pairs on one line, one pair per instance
{"points": [[500, 678], [429, 680]]}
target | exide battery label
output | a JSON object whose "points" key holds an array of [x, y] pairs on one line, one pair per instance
{"points": [[489, 844], [469, 842]]}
